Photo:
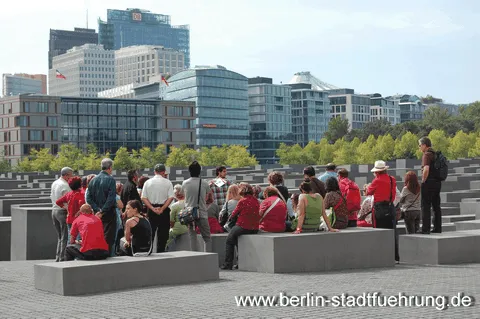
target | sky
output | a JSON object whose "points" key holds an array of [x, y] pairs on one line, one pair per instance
{"points": [[373, 46]]}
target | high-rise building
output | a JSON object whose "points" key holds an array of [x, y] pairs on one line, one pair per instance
{"points": [[270, 110], [136, 64], [125, 28], [383, 108], [411, 107], [62, 40], [221, 98], [348, 105], [19, 83], [85, 71], [41, 121], [310, 108]]}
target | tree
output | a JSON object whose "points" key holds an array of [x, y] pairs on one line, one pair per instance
{"points": [[92, 160], [460, 145], [436, 117], [238, 156], [25, 165], [375, 128], [4, 164], [310, 153], [215, 156], [385, 148], [290, 154], [407, 146], [475, 150], [159, 155], [430, 99], [325, 152], [439, 140], [123, 160], [337, 128], [472, 113], [68, 156], [41, 159], [144, 158], [366, 151], [181, 156], [347, 153]]}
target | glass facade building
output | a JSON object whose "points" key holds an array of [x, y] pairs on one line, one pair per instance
{"points": [[348, 105], [270, 110], [62, 40], [221, 98], [125, 28], [411, 107]]}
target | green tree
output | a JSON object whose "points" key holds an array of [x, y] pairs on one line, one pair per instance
{"points": [[439, 141], [472, 113], [144, 158], [214, 156], [159, 154], [290, 154], [460, 145], [337, 129], [385, 148], [375, 128], [41, 159], [68, 156], [123, 160], [181, 156], [436, 117], [25, 165], [325, 152], [310, 153], [407, 146], [347, 153], [4, 164], [238, 156], [91, 161], [475, 150]]}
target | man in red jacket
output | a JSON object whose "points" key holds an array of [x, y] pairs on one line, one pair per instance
{"points": [[93, 244], [351, 193]]}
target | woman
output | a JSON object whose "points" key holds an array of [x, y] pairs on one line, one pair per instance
{"points": [[176, 228], [365, 212], [335, 200], [273, 212], [89, 179], [410, 203], [73, 200], [138, 233], [213, 212], [231, 201], [247, 221], [276, 180], [383, 189], [310, 209], [118, 190], [141, 182]]}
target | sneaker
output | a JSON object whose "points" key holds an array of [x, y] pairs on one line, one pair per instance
{"points": [[226, 267], [235, 266]]}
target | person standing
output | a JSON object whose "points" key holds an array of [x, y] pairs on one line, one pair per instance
{"points": [[192, 187], [129, 191], [410, 203], [59, 214], [330, 172], [220, 185], [430, 189], [101, 196], [157, 195]]}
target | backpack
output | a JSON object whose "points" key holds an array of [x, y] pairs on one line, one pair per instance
{"points": [[440, 166], [353, 197]]}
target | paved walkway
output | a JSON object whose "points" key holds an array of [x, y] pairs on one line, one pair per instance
{"points": [[19, 298]]}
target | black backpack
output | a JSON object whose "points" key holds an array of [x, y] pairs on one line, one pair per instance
{"points": [[440, 165]]}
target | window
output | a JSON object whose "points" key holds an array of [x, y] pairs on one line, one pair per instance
{"points": [[54, 135], [21, 121], [52, 121], [35, 135], [42, 107]]}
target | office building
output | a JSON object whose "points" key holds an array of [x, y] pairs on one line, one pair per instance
{"points": [[310, 108], [348, 105], [411, 107], [382, 108], [270, 110], [221, 99], [62, 40], [136, 64], [119, 92], [41, 121], [19, 83], [85, 71], [124, 28]]}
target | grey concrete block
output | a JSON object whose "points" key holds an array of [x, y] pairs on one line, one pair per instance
{"points": [[446, 227], [320, 251], [457, 247], [6, 204], [88, 277], [218, 244], [457, 218], [5, 238], [468, 225], [33, 234]]}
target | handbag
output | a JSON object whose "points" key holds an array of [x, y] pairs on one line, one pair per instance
{"points": [[189, 215], [385, 210], [224, 217], [230, 224], [404, 210]]}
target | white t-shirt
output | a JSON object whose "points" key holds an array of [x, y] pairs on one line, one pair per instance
{"points": [[59, 188], [157, 190]]}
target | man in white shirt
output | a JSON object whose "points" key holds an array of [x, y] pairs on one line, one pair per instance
{"points": [[157, 194], [59, 214]]}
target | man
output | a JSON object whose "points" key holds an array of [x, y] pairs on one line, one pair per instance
{"points": [[191, 187], [93, 245], [220, 185], [59, 214], [351, 193], [430, 189], [129, 191], [317, 185], [101, 196], [330, 172], [157, 195]]}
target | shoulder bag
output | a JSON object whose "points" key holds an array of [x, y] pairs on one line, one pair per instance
{"points": [[270, 208], [189, 215]]}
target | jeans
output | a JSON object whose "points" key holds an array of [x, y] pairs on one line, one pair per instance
{"points": [[204, 227], [59, 217], [73, 251], [430, 192], [69, 226], [161, 226], [232, 242], [388, 223], [412, 221]]}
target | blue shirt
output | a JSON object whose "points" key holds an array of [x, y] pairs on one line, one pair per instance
{"points": [[326, 175]]}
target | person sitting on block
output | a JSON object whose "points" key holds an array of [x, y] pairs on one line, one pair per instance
{"points": [[93, 245]]}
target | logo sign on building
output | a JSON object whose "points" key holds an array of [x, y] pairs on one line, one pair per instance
{"points": [[136, 16], [209, 125]]}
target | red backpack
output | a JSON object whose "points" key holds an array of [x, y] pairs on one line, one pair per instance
{"points": [[352, 195]]}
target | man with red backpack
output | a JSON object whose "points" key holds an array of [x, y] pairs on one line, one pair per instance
{"points": [[351, 193]]}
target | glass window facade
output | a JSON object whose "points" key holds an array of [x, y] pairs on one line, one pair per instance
{"points": [[221, 98], [270, 110]]}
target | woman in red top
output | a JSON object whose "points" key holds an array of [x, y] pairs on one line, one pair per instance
{"points": [[247, 214], [384, 189], [75, 199], [273, 212]]}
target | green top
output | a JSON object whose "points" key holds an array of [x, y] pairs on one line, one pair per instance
{"points": [[313, 212], [175, 209]]}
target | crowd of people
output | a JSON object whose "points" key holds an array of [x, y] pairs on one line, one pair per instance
{"points": [[95, 217]]}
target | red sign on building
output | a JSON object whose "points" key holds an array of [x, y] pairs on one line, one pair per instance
{"points": [[137, 16]]}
